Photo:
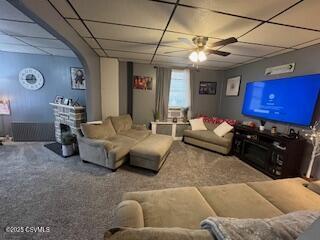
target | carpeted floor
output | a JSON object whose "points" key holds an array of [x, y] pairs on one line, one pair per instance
{"points": [[76, 200]]}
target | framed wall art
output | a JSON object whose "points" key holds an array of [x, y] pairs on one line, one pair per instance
{"points": [[5, 107], [142, 82], [233, 86], [208, 88], [78, 78]]}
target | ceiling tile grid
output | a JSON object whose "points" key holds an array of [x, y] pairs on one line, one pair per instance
{"points": [[20, 34], [139, 29]]}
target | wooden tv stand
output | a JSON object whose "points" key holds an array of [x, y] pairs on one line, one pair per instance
{"points": [[276, 155]]}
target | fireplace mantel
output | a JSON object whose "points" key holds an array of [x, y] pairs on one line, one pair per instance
{"points": [[71, 116]]}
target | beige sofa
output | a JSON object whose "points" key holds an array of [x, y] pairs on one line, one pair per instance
{"points": [[208, 139], [109, 143], [176, 209]]}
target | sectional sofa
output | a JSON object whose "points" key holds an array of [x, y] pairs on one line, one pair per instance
{"points": [[182, 209], [111, 142]]}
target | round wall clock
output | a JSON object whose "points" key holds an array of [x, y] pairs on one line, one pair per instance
{"points": [[31, 79]]}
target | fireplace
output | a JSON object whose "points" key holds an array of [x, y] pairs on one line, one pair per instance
{"points": [[67, 119]]}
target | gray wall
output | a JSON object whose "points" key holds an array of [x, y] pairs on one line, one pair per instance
{"points": [[33, 106], [123, 88], [307, 62], [206, 104], [47, 17], [144, 100]]}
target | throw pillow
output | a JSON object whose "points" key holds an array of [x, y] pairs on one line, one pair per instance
{"points": [[222, 129], [98, 131], [197, 124]]}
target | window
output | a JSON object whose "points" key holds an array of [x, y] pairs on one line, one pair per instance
{"points": [[179, 95]]}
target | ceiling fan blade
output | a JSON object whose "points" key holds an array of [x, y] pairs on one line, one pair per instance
{"points": [[186, 41], [220, 53], [224, 42], [184, 50]]}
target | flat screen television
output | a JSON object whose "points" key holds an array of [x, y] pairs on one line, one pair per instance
{"points": [[290, 100]]}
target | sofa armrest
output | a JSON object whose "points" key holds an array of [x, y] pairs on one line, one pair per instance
{"points": [[129, 214], [228, 136], [139, 127], [107, 145]]}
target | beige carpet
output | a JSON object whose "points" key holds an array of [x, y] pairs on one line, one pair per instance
{"points": [[76, 200]]}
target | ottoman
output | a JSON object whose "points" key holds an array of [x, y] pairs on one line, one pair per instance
{"points": [[151, 152]]}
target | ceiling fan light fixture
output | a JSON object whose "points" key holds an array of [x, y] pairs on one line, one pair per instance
{"points": [[193, 56], [202, 56]]}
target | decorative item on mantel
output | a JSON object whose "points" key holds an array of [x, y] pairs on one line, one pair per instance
{"points": [[67, 119], [313, 135]]}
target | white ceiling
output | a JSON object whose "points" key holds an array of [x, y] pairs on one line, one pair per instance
{"points": [[20, 34], [146, 30]]}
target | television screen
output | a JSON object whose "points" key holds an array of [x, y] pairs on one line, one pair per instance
{"points": [[290, 100]]}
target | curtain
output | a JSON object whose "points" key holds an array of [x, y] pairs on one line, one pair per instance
{"points": [[162, 91]]}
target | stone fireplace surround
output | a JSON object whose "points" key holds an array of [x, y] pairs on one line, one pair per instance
{"points": [[67, 116]]}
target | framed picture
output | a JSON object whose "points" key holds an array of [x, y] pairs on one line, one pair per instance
{"points": [[208, 88], [66, 101], [233, 86], [142, 82], [78, 78], [58, 100], [5, 107]]}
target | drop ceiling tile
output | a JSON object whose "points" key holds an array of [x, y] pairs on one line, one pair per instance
{"points": [[41, 42], [305, 14], [307, 44], [173, 65], [206, 23], [138, 13], [59, 52], [23, 29], [249, 49], [79, 27], [64, 8], [168, 59], [20, 49], [277, 35], [260, 9], [129, 55], [7, 11], [116, 32], [279, 52], [173, 51], [216, 64], [10, 40], [171, 39], [100, 52], [92, 42], [127, 46], [230, 58]]}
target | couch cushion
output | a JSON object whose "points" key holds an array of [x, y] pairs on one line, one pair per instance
{"points": [[238, 201], [122, 123], [175, 207], [121, 146], [209, 136], [288, 195], [98, 131], [154, 147], [135, 134]]}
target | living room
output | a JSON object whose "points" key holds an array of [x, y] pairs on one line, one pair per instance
{"points": [[140, 119]]}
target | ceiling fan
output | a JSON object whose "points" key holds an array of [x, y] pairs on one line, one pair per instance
{"points": [[200, 49]]}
